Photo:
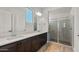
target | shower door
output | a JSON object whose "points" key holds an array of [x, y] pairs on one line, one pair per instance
{"points": [[65, 31], [53, 30], [60, 30]]}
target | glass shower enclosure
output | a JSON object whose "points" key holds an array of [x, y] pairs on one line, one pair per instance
{"points": [[61, 30]]}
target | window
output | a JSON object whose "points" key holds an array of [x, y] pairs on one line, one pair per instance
{"points": [[28, 16]]}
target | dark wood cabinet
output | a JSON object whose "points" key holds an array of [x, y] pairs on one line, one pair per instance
{"points": [[31, 44], [24, 45], [36, 44], [9, 48], [27, 45], [38, 41], [20, 46]]}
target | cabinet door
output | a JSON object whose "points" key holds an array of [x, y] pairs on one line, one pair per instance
{"points": [[8, 48], [36, 43], [27, 45], [24, 45], [43, 38], [20, 46]]}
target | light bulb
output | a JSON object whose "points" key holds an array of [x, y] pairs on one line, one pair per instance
{"points": [[38, 13]]}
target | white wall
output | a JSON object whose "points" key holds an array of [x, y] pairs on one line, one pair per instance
{"points": [[11, 17], [59, 13], [56, 16], [42, 21], [19, 22], [17, 16], [75, 13], [5, 21]]}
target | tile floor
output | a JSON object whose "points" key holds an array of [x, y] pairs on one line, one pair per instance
{"points": [[55, 47]]}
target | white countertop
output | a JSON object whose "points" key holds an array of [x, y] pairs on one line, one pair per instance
{"points": [[11, 39]]}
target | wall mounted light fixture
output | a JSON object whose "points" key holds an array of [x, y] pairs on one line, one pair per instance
{"points": [[38, 13]]}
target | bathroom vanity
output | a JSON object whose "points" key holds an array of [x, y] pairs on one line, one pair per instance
{"points": [[29, 43]]}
